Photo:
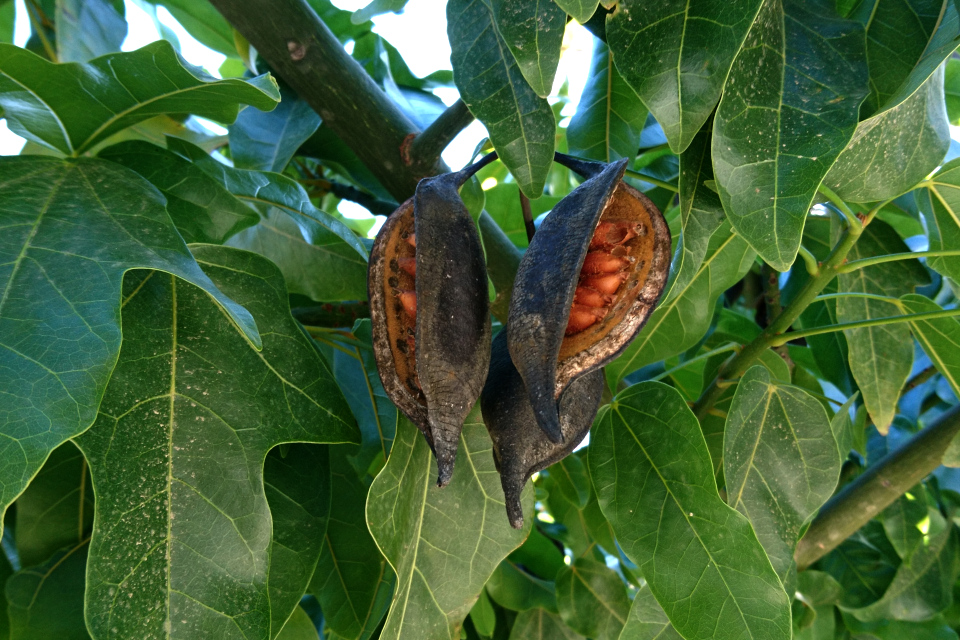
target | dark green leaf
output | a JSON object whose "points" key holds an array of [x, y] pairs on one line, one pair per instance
{"points": [[318, 254], [56, 510], [298, 490], [862, 570], [780, 461], [513, 588], [537, 624], [610, 115], [939, 338], [60, 306], [940, 205], [922, 586], [520, 123], [701, 213], [503, 205], [648, 457], [443, 543], [893, 151], [356, 373], [951, 90], [70, 107], [483, 616], [267, 140], [182, 533], [539, 555], [936, 629], [353, 581], [789, 108], [203, 22], [592, 599], [647, 621], [842, 426], [880, 357], [818, 588], [678, 324], [8, 14], [533, 30], [579, 10], [299, 627], [906, 41], [676, 55], [570, 478], [46, 601], [202, 209], [901, 518], [87, 29]]}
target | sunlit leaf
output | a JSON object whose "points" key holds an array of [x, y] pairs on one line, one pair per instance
{"points": [[533, 30]]}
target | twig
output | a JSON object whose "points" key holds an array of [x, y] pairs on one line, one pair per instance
{"points": [[527, 215], [425, 149]]}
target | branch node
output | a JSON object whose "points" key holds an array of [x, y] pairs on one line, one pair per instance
{"points": [[297, 50]]}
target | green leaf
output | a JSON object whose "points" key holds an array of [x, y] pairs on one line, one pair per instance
{"points": [[533, 30], [863, 571], [299, 627], [676, 55], [376, 8], [818, 588], [182, 532], [267, 140], [592, 599], [87, 29], [906, 41], [936, 629], [701, 213], [610, 116], [700, 558], [443, 543], [951, 90], [842, 426], [318, 254], [893, 151], [647, 621], [483, 616], [780, 461], [520, 123], [901, 520], [503, 205], [537, 624], [203, 22], [922, 586], [678, 324], [202, 209], [298, 491], [570, 478], [353, 581], [880, 357], [56, 510], [539, 555], [579, 10], [356, 372], [940, 338], [46, 601], [61, 294], [8, 15], [789, 108], [939, 203], [823, 627], [70, 107], [513, 588]]}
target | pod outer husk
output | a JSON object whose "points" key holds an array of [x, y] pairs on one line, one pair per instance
{"points": [[453, 316], [544, 288], [520, 447]]}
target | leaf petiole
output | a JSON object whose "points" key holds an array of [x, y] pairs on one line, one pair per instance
{"points": [[875, 322], [893, 257]]}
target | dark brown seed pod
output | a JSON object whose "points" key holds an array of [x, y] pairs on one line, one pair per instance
{"points": [[520, 447], [591, 277], [429, 311]]}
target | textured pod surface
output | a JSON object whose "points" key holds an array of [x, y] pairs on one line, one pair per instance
{"points": [[591, 277], [520, 447], [430, 312]]}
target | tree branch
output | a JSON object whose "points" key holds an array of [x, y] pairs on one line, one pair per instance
{"points": [[424, 151], [884, 482]]}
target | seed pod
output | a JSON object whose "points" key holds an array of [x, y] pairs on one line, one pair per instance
{"points": [[588, 282], [520, 447], [429, 311]]}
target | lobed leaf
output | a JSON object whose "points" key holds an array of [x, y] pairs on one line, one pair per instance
{"points": [[70, 107], [182, 538], [700, 558]]}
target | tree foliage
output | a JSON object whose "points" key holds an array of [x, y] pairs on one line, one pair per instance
{"points": [[196, 441]]}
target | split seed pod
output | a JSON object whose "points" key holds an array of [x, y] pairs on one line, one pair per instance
{"points": [[520, 447], [430, 311], [589, 280]]}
